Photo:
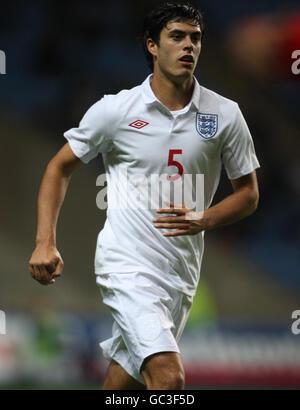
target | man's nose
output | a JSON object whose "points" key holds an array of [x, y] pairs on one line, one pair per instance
{"points": [[188, 43]]}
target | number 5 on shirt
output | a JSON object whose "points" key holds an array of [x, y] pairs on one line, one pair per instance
{"points": [[177, 164]]}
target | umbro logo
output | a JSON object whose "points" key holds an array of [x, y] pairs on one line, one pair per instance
{"points": [[138, 124]]}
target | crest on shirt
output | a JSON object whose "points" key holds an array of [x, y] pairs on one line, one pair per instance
{"points": [[206, 125]]}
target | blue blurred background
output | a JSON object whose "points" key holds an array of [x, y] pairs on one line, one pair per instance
{"points": [[61, 57]]}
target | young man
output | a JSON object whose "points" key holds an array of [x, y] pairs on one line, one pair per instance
{"points": [[148, 263]]}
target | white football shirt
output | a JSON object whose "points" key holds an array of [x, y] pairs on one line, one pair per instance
{"points": [[134, 131]]}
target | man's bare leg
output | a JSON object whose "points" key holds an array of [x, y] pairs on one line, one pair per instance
{"points": [[163, 371], [117, 379]]}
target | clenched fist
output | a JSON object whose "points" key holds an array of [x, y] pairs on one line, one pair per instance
{"points": [[45, 264]]}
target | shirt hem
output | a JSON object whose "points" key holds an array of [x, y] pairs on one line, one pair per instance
{"points": [[182, 289]]}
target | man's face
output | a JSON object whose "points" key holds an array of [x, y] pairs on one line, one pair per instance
{"points": [[179, 49]]}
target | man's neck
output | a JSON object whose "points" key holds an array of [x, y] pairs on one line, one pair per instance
{"points": [[173, 95]]}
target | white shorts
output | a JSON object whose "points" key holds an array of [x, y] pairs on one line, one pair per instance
{"points": [[149, 318]]}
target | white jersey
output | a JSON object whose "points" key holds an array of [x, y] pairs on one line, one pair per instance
{"points": [[133, 129]]}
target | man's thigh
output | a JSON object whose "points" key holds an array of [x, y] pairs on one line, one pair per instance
{"points": [[163, 368], [143, 319], [118, 379]]}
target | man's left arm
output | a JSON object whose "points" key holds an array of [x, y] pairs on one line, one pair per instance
{"points": [[241, 203]]}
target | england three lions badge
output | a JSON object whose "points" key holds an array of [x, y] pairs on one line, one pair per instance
{"points": [[206, 125]]}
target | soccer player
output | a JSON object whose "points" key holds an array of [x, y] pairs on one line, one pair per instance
{"points": [[148, 261]]}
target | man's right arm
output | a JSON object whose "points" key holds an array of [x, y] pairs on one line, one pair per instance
{"points": [[46, 263]]}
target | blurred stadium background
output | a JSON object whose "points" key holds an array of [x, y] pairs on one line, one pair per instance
{"points": [[61, 58]]}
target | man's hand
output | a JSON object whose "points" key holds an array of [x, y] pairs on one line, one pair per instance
{"points": [[45, 264], [186, 222]]}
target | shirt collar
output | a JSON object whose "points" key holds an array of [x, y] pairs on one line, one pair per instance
{"points": [[149, 97]]}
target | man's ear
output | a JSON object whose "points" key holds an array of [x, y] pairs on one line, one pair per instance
{"points": [[151, 47]]}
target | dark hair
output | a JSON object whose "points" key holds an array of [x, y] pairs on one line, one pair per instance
{"points": [[158, 18]]}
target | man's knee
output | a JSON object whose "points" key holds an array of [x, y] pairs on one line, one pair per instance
{"points": [[164, 371], [118, 379], [172, 381]]}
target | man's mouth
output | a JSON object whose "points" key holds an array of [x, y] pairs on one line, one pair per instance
{"points": [[187, 59]]}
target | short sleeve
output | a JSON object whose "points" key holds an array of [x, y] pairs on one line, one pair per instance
{"points": [[91, 137], [238, 153]]}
